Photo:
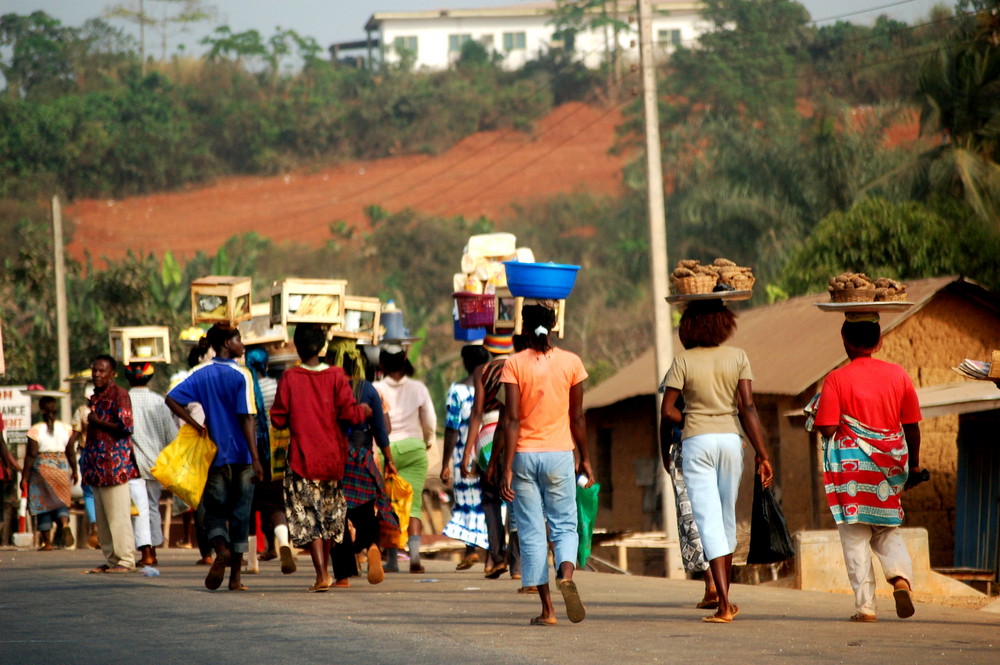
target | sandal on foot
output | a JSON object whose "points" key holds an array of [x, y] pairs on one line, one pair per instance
{"points": [[904, 603], [321, 587], [717, 619], [375, 572], [574, 606], [497, 571], [241, 587], [342, 584], [708, 604], [99, 569], [287, 560], [861, 617], [119, 569], [467, 562], [541, 621], [217, 572], [528, 589]]}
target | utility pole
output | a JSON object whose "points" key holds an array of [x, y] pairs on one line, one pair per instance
{"points": [[658, 269], [62, 324]]}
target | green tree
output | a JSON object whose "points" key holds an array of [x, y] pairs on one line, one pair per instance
{"points": [[959, 91], [907, 240], [37, 60]]}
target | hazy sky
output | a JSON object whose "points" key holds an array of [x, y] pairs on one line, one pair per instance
{"points": [[344, 20]]}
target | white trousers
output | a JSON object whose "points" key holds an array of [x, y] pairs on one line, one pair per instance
{"points": [[713, 464], [859, 541], [140, 523]]}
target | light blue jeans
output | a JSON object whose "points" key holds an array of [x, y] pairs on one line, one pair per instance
{"points": [[544, 487], [713, 464]]}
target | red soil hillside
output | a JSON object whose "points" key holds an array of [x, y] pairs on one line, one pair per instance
{"points": [[482, 175]]}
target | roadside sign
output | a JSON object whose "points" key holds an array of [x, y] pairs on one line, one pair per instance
{"points": [[15, 409]]}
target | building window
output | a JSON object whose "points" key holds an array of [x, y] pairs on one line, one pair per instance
{"points": [[668, 38], [455, 42], [514, 41], [405, 45]]}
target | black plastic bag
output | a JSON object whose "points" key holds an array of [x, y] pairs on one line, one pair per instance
{"points": [[769, 539]]}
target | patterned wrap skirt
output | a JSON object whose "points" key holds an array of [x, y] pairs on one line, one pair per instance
{"points": [[315, 509], [49, 487]]}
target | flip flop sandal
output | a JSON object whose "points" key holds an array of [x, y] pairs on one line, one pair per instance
{"points": [[707, 605], [528, 589], [119, 569], [242, 587], [715, 619], [736, 611], [863, 618], [904, 603], [321, 587], [287, 560], [497, 572], [574, 606], [375, 572], [99, 569], [342, 584], [217, 572], [539, 621]]}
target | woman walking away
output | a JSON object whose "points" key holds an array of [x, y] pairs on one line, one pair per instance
{"points": [[311, 400], [363, 485], [412, 422], [49, 473], [468, 521], [544, 424], [715, 381], [868, 417]]}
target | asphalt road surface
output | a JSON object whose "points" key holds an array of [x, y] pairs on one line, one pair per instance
{"points": [[50, 613]]}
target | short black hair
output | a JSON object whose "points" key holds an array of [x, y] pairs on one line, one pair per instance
{"points": [[219, 334], [861, 335], [392, 362], [474, 355], [309, 340], [110, 360], [44, 401], [706, 323]]}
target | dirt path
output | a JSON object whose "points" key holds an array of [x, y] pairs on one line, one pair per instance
{"points": [[481, 175]]}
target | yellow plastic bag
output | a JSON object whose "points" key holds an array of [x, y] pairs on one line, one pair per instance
{"points": [[280, 438], [182, 467], [400, 494]]}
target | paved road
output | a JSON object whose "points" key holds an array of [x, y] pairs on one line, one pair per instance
{"points": [[52, 614]]}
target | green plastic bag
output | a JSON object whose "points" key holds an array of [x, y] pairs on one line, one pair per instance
{"points": [[586, 516]]}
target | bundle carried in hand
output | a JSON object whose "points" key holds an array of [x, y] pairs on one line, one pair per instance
{"points": [[851, 287], [690, 277], [889, 290]]}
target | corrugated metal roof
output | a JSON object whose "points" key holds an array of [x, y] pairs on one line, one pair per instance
{"points": [[791, 345]]}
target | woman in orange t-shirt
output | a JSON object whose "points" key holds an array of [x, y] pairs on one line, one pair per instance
{"points": [[544, 397]]}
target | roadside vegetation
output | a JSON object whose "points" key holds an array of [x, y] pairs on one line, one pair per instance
{"points": [[799, 150]]}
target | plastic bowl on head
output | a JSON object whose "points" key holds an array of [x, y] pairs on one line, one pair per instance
{"points": [[546, 281]]}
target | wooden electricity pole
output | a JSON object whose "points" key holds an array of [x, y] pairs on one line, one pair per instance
{"points": [[62, 323], [658, 268]]}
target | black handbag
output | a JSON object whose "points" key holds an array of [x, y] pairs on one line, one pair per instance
{"points": [[769, 539]]}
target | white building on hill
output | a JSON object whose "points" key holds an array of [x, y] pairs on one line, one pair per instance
{"points": [[521, 32]]}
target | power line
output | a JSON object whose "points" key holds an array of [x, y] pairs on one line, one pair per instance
{"points": [[861, 11]]}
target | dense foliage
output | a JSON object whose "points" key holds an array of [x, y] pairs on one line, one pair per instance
{"points": [[789, 147]]}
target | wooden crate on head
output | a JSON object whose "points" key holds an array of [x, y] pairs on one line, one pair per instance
{"points": [[308, 301], [140, 344], [220, 299]]}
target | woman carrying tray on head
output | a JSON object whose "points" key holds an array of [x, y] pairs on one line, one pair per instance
{"points": [[868, 416], [715, 381]]}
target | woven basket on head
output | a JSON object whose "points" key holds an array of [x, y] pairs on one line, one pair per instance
{"points": [[863, 294], [892, 297], [696, 284], [739, 281]]}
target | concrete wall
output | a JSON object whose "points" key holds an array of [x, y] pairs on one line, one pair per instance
{"points": [[432, 36]]}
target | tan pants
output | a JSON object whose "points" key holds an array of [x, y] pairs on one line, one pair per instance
{"points": [[859, 541], [113, 506]]}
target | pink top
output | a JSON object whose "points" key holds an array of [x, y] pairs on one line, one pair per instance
{"points": [[544, 380]]}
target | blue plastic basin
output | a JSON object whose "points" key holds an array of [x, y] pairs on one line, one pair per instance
{"points": [[546, 281]]}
